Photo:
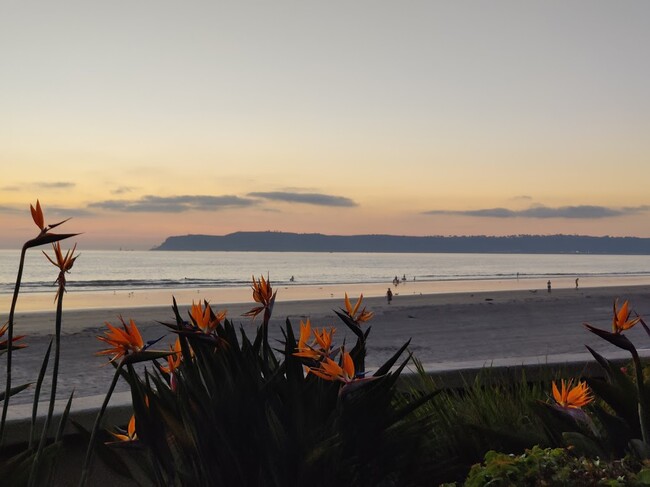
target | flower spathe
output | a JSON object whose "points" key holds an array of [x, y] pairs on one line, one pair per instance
{"points": [[354, 313], [621, 320], [572, 397], [39, 220], [124, 341], [37, 215]]}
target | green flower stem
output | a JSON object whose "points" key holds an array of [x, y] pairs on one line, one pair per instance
{"points": [[265, 340], [643, 406], [10, 336], [55, 376], [362, 366], [57, 354], [86, 466]]}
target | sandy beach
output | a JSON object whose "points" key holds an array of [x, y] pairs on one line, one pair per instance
{"points": [[444, 327]]}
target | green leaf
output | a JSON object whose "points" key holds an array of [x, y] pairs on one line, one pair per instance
{"points": [[616, 339], [613, 372], [384, 369], [37, 393], [18, 463], [110, 458], [64, 418], [583, 445], [643, 477], [640, 449], [617, 433], [145, 356], [623, 402], [14, 390], [351, 324]]}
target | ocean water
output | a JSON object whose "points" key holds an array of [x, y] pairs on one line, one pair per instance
{"points": [[98, 270]]}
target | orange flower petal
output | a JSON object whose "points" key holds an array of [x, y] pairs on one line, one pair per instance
{"points": [[572, 397], [348, 365], [37, 215]]}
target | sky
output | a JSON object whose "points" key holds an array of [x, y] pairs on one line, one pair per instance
{"points": [[143, 119]]}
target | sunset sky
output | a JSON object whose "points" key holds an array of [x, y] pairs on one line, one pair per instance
{"points": [[145, 119]]}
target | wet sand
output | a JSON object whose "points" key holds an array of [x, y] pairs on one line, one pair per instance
{"points": [[120, 300], [443, 327]]}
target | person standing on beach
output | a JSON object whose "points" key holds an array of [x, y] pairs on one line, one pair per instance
{"points": [[389, 295], [548, 286], [577, 279]]}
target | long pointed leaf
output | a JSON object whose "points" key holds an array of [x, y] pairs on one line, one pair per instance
{"points": [[37, 394], [412, 406], [351, 324], [384, 369], [614, 373], [146, 356], [15, 390], [64, 418]]}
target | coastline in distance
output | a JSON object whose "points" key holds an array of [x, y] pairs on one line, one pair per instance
{"points": [[315, 242]]}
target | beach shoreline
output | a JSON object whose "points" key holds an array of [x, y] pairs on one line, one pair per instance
{"points": [[142, 298], [444, 328]]}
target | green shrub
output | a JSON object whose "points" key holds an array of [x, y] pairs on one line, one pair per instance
{"points": [[228, 410], [554, 467], [489, 413]]}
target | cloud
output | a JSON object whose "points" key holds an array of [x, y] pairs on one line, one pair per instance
{"points": [[174, 204], [9, 209], [585, 212], [55, 185], [60, 213], [636, 209], [52, 213], [306, 198], [522, 197], [40, 185], [123, 189]]}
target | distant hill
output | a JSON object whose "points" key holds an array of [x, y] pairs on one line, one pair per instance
{"points": [[316, 242]]}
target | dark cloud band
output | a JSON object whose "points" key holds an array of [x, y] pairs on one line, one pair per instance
{"points": [[55, 185], [305, 198], [174, 204], [578, 212]]}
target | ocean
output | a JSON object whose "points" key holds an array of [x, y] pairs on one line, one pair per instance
{"points": [[97, 270]]}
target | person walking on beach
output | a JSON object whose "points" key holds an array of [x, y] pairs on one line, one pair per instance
{"points": [[577, 279], [389, 295], [548, 286]]}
